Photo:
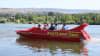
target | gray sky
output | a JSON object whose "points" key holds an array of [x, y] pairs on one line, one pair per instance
{"points": [[63, 4]]}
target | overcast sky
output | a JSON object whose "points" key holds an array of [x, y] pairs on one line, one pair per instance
{"points": [[63, 4]]}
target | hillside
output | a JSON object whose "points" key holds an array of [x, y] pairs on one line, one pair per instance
{"points": [[44, 10], [30, 11]]}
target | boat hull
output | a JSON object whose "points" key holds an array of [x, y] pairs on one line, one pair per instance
{"points": [[75, 35]]}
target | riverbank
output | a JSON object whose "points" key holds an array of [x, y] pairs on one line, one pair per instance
{"points": [[41, 23]]}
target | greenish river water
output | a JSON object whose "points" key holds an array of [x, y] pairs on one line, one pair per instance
{"points": [[12, 45]]}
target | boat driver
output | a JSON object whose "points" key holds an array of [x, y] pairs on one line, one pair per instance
{"points": [[39, 26]]}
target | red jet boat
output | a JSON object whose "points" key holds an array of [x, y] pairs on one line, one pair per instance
{"points": [[75, 35]]}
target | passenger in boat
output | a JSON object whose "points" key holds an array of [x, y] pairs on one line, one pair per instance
{"points": [[64, 27], [39, 26], [56, 28], [52, 27], [46, 27]]}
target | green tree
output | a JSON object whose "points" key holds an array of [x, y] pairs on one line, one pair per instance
{"points": [[51, 13], [3, 20], [22, 20], [18, 16]]}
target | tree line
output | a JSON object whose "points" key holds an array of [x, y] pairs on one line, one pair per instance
{"points": [[51, 17]]}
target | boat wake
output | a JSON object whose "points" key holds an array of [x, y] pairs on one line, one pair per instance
{"points": [[95, 40]]}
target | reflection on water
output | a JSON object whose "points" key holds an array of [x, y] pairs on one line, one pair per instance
{"points": [[51, 47]]}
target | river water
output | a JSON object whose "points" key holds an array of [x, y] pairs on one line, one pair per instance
{"points": [[12, 45]]}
